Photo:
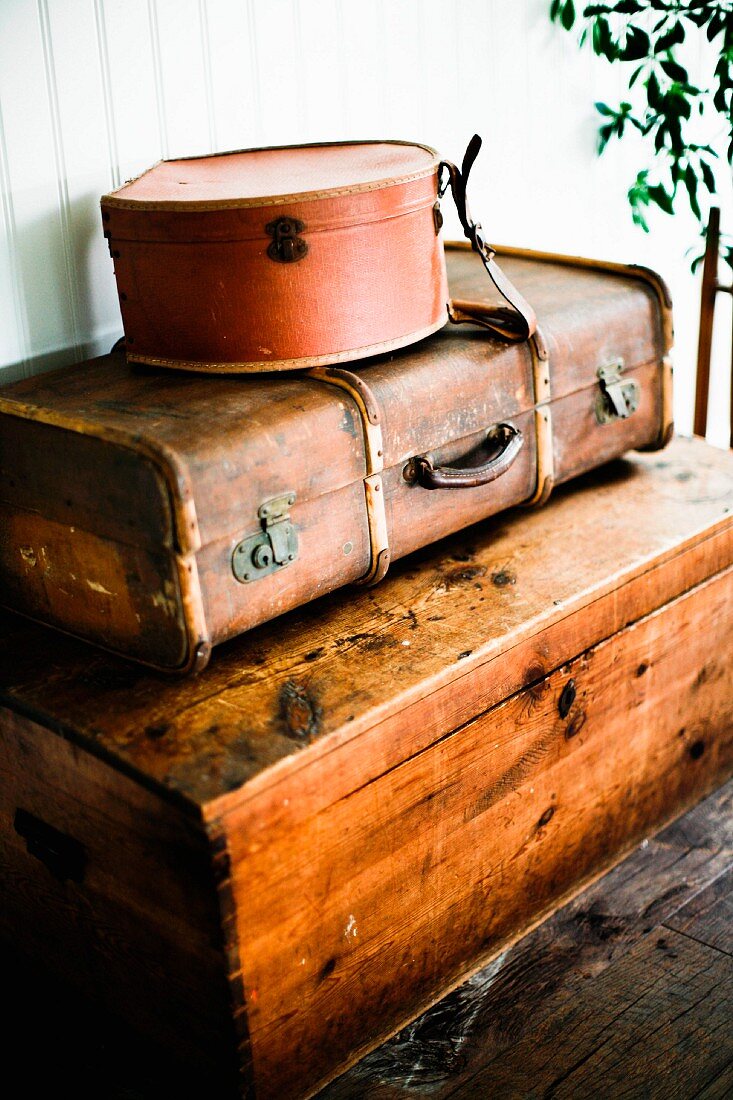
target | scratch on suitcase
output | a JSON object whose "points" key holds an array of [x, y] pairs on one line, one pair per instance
{"points": [[97, 587], [165, 599]]}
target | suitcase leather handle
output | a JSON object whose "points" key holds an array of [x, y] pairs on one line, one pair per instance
{"points": [[517, 323], [502, 444]]}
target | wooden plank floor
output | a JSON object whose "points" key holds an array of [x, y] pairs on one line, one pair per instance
{"points": [[625, 992]]}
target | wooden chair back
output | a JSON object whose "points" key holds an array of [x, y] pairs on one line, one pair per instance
{"points": [[711, 287]]}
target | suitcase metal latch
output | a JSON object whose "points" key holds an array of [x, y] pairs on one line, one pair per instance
{"points": [[272, 548], [286, 246], [618, 398]]}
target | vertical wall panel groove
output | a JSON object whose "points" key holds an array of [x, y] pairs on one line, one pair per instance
{"points": [[208, 83], [344, 49], [72, 275], [420, 70], [255, 71], [104, 72], [300, 107], [6, 197], [158, 76]]}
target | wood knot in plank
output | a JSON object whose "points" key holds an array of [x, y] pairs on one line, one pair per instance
{"points": [[567, 698], [299, 712], [464, 575], [575, 725], [535, 682]]}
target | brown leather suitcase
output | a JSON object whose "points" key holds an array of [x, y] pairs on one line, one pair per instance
{"points": [[269, 868], [159, 513], [291, 257]]}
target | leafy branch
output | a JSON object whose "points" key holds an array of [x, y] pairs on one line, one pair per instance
{"points": [[646, 34]]}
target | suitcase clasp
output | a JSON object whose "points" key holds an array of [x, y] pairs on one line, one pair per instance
{"points": [[286, 246], [272, 548], [618, 399]]}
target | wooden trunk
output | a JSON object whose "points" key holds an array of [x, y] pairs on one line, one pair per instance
{"points": [[159, 514], [273, 866]]}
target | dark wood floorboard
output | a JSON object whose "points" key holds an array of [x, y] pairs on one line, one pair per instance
{"points": [[719, 1089], [708, 916], [625, 992]]}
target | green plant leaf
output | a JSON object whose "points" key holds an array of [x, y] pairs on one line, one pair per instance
{"points": [[707, 176], [637, 45], [715, 26], [602, 39], [658, 195], [691, 185], [568, 15], [638, 197], [674, 71], [653, 93], [699, 18], [676, 103], [674, 129], [673, 37], [624, 32], [634, 76]]}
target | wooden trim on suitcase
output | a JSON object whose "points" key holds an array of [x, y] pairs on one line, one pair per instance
{"points": [[378, 532], [368, 407], [542, 382]]}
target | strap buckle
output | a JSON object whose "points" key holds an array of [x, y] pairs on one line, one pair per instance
{"points": [[479, 243]]}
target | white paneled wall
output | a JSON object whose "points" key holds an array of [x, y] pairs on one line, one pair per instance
{"points": [[93, 91]]}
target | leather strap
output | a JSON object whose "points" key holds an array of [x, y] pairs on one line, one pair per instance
{"points": [[517, 323]]}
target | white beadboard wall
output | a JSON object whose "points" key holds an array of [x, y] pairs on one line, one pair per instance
{"points": [[94, 91]]}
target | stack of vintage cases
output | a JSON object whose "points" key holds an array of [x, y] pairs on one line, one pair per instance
{"points": [[164, 498], [183, 508]]}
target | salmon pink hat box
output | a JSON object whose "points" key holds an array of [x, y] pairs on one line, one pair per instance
{"points": [[292, 257]]}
